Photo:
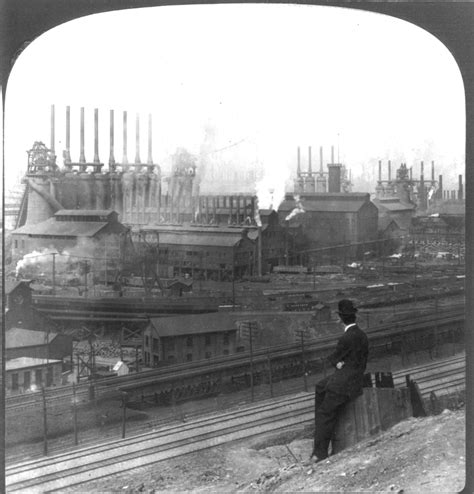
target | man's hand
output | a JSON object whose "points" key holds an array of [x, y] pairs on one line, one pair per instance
{"points": [[340, 365]]}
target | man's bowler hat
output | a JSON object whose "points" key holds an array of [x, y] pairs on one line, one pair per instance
{"points": [[346, 307]]}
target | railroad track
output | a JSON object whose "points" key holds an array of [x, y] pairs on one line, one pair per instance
{"points": [[171, 440], [67, 470], [381, 335], [442, 377]]}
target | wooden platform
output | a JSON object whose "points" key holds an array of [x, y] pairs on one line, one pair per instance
{"points": [[374, 411]]}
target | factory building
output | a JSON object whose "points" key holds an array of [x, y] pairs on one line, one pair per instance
{"points": [[186, 339], [22, 342], [26, 374], [201, 251], [95, 234], [330, 219]]}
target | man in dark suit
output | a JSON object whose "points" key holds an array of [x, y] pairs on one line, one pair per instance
{"points": [[333, 392]]}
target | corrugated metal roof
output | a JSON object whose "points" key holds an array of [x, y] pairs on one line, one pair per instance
{"points": [[10, 285], [220, 321], [196, 324], [62, 228], [85, 212], [26, 362], [20, 337], [193, 229], [333, 206], [217, 240], [393, 205]]}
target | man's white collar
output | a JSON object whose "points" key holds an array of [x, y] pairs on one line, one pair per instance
{"points": [[349, 326]]}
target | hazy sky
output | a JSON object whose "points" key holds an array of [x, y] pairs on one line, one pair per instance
{"points": [[274, 76]]}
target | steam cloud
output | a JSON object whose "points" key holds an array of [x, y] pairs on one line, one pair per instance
{"points": [[297, 210]]}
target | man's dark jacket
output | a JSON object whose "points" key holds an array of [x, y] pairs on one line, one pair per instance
{"points": [[352, 349]]}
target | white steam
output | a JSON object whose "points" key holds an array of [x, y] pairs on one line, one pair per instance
{"points": [[297, 210]]}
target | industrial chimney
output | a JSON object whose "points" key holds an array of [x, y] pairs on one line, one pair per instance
{"points": [[96, 136], [67, 154], [125, 159], [82, 157], [150, 158], [334, 178], [52, 129], [111, 155], [137, 145]]}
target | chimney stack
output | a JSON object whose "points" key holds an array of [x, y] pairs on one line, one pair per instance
{"points": [[380, 170], [137, 146], [440, 188], [332, 154], [52, 129], [321, 159], [309, 161], [96, 136], [298, 166], [82, 157], [432, 172], [150, 158], [67, 156], [111, 156], [389, 171], [125, 159]]}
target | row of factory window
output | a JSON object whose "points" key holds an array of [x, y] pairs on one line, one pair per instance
{"points": [[15, 244], [172, 358], [171, 343], [38, 381]]}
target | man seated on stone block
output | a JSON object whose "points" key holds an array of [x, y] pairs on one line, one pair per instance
{"points": [[333, 392]]}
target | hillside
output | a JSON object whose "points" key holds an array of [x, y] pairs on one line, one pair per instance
{"points": [[417, 455]]}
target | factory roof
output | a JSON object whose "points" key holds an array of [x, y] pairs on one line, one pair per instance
{"points": [[20, 337], [10, 285], [393, 204], [194, 228], [53, 228], [335, 203], [197, 324], [85, 212], [26, 362], [228, 240]]}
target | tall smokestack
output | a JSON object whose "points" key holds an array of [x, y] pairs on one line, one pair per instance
{"points": [[111, 156], [460, 193], [380, 170], [137, 145], [389, 170], [432, 172], [52, 129], [309, 161], [67, 156], [332, 154], [125, 159], [440, 187], [150, 158], [82, 158], [321, 159], [298, 165], [96, 136]]}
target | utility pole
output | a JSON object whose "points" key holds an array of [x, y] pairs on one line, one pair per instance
{"points": [[74, 411], [45, 423], [54, 272], [251, 361], [305, 377]]}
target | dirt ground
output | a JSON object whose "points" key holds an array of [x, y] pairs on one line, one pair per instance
{"points": [[416, 455]]}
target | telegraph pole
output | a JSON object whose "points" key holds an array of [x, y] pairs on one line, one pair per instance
{"points": [[54, 272], [251, 361]]}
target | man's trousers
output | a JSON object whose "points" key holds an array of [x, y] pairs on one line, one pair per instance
{"points": [[327, 405]]}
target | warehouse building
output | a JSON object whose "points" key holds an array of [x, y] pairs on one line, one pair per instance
{"points": [[96, 234], [26, 374], [330, 219], [22, 342], [185, 339]]}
